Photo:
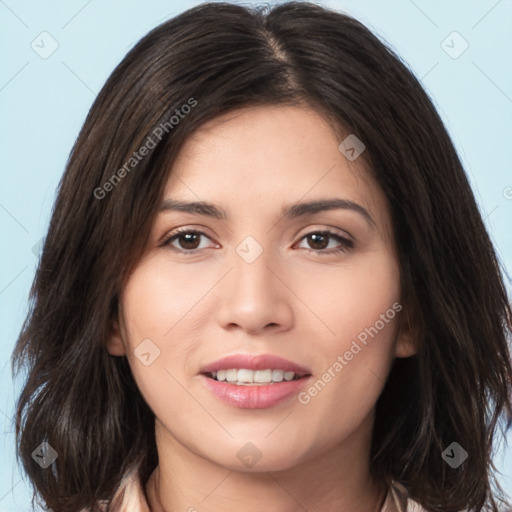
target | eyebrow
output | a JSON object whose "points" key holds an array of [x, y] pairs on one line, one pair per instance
{"points": [[290, 211]]}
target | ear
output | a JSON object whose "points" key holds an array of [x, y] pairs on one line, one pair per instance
{"points": [[115, 345], [406, 345]]}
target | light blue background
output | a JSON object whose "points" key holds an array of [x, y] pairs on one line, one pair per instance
{"points": [[44, 102]]}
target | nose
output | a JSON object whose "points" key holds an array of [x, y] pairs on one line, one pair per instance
{"points": [[254, 297]]}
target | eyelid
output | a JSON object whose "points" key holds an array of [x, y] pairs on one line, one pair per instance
{"points": [[166, 239], [346, 243], [326, 228], [311, 229]]}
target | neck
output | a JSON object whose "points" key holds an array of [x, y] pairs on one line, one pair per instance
{"points": [[337, 479]]}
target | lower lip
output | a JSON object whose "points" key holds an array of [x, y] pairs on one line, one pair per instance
{"points": [[255, 397]]}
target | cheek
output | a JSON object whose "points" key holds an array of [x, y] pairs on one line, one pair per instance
{"points": [[351, 298], [360, 306], [160, 301], [155, 303]]}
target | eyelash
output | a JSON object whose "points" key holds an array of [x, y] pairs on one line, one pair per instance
{"points": [[346, 244]]}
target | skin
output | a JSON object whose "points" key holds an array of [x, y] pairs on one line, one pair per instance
{"points": [[293, 301]]}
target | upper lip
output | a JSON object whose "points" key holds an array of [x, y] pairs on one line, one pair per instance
{"points": [[255, 362]]}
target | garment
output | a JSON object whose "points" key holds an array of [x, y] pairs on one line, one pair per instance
{"points": [[393, 503], [130, 497]]}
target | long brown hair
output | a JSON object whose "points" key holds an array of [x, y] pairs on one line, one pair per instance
{"points": [[85, 403]]}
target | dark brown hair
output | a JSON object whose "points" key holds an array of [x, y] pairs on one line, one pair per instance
{"points": [[85, 403]]}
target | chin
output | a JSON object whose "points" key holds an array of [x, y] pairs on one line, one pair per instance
{"points": [[251, 459]]}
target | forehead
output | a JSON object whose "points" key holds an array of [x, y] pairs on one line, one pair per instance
{"points": [[254, 160]]}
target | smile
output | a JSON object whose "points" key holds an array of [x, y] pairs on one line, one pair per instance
{"points": [[247, 377]]}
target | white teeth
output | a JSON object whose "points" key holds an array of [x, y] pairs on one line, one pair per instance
{"points": [[231, 375], [246, 377], [277, 375], [263, 376]]}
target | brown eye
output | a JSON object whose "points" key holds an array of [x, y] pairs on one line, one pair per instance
{"points": [[318, 241], [188, 240]]}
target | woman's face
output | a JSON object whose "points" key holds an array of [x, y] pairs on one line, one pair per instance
{"points": [[259, 284]]}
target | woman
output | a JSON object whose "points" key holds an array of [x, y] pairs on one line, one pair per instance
{"points": [[261, 286]]}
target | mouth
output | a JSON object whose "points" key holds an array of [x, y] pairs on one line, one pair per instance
{"points": [[248, 377], [251, 381]]}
